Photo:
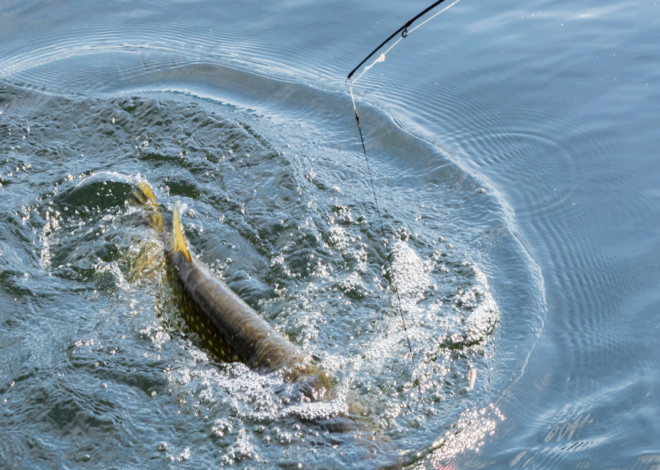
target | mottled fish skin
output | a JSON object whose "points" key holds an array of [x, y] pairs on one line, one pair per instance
{"points": [[227, 325], [224, 321]]}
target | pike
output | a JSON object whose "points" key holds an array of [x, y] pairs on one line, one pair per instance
{"points": [[226, 324]]}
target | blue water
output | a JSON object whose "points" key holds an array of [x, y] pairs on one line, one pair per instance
{"points": [[513, 150]]}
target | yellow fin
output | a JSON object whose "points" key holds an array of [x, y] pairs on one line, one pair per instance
{"points": [[144, 196], [178, 242]]}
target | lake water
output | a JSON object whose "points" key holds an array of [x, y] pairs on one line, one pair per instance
{"points": [[513, 148]]}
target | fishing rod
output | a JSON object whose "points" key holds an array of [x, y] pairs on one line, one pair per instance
{"points": [[404, 33]]}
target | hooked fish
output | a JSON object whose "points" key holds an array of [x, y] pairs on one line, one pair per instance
{"points": [[228, 326], [235, 332]]}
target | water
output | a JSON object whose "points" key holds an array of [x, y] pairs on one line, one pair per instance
{"points": [[512, 150]]}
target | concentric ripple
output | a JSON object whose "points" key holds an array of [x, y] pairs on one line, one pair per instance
{"points": [[277, 202]]}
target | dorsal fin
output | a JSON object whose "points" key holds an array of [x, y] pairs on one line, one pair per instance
{"points": [[178, 242]]}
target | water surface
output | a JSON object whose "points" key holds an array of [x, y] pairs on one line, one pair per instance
{"points": [[511, 147]]}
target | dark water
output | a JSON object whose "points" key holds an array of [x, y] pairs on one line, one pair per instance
{"points": [[513, 152]]}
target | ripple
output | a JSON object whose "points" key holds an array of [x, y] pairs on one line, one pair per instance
{"points": [[277, 203]]}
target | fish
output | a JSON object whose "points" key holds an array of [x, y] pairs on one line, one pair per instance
{"points": [[233, 331], [228, 326]]}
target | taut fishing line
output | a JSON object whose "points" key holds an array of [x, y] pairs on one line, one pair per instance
{"points": [[404, 33]]}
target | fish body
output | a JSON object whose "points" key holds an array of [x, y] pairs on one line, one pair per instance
{"points": [[224, 321], [233, 331], [226, 324]]}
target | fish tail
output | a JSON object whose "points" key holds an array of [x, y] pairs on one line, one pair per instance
{"points": [[144, 197], [178, 240]]}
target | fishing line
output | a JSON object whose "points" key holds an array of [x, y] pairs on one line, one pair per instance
{"points": [[404, 33], [382, 231]]}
